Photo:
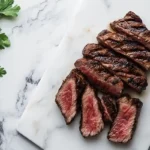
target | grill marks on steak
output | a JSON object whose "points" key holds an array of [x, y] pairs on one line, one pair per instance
{"points": [[109, 108], [133, 26], [125, 123], [91, 120], [99, 76], [104, 68], [69, 95], [119, 66], [126, 46]]}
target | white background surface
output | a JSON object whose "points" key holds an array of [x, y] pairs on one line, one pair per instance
{"points": [[34, 35], [36, 32], [42, 121]]}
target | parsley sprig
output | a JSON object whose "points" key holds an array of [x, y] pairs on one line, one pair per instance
{"points": [[2, 72], [4, 41], [7, 9]]}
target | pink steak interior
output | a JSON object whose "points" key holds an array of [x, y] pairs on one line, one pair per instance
{"points": [[92, 120], [67, 99], [122, 127]]}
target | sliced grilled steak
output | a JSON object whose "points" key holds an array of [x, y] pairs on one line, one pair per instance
{"points": [[123, 68], [69, 95], [91, 120], [124, 125], [109, 108], [133, 26], [126, 46], [100, 77]]}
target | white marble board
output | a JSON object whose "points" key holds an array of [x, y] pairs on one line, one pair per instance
{"points": [[42, 122]]}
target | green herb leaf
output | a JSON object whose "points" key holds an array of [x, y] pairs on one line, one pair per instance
{"points": [[6, 8], [2, 72], [4, 41]]}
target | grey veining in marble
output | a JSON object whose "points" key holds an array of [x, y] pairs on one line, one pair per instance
{"points": [[42, 121], [36, 32]]}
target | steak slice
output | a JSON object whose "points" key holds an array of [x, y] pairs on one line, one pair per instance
{"points": [[124, 125], [123, 68], [109, 108], [91, 118], [126, 46], [69, 95], [133, 26], [100, 77]]}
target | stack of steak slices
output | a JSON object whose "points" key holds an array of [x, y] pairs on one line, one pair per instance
{"points": [[120, 58], [127, 71], [126, 46]]}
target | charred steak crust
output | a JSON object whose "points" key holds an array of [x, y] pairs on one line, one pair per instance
{"points": [[126, 46], [99, 77], [133, 26], [123, 68], [125, 123], [109, 108], [76, 81], [91, 123]]}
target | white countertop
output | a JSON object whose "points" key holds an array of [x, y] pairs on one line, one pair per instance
{"points": [[36, 32]]}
